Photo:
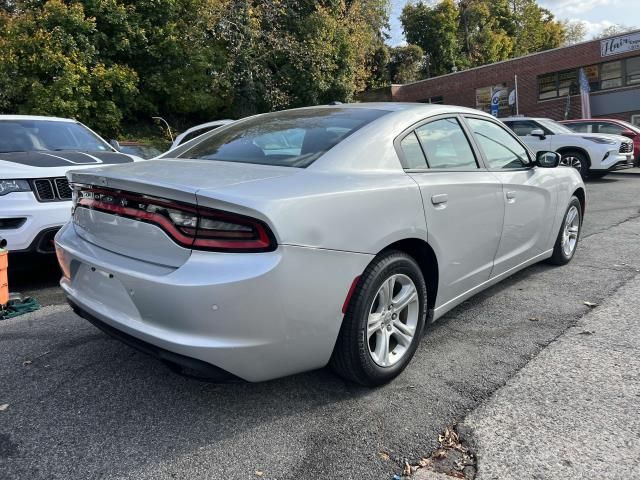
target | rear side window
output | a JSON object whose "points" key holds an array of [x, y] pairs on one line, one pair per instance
{"points": [[446, 145], [413, 156], [292, 138], [500, 149], [612, 128]]}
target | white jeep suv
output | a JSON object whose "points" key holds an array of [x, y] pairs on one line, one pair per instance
{"points": [[35, 155], [591, 154]]}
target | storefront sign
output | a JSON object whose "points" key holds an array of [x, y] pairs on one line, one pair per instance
{"points": [[616, 45]]}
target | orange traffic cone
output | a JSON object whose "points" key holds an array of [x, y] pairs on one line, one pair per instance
{"points": [[4, 281]]}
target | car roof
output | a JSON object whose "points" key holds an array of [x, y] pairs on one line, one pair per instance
{"points": [[395, 106], [592, 120], [514, 119], [35, 117]]}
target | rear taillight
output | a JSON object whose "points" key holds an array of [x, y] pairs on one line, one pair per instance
{"points": [[188, 225]]}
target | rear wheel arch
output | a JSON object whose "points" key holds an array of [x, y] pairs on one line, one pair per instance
{"points": [[426, 258]]}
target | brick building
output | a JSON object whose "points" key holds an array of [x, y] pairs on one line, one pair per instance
{"points": [[548, 82]]}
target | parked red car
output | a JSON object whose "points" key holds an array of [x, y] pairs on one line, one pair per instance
{"points": [[608, 125]]}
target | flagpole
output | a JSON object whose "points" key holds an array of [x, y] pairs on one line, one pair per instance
{"points": [[516, 85]]}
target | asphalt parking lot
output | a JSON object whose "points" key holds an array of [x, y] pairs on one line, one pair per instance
{"points": [[84, 406]]}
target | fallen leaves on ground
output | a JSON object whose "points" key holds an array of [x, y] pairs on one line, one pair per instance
{"points": [[452, 458], [383, 455], [259, 473]]}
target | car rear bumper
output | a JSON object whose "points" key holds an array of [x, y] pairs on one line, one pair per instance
{"points": [[256, 316], [32, 224]]}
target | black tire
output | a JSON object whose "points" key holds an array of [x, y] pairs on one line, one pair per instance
{"points": [[559, 256], [351, 357], [567, 158]]}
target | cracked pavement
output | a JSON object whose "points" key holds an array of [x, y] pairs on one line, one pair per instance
{"points": [[88, 406]]}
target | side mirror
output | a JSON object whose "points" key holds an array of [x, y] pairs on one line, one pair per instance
{"points": [[548, 159], [114, 144], [629, 133], [538, 132]]}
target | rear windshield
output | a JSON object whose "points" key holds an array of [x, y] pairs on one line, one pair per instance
{"points": [[292, 138]]}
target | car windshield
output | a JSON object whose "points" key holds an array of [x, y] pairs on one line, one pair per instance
{"points": [[554, 126], [30, 135], [293, 138]]}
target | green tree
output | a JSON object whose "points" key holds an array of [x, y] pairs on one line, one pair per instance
{"points": [[435, 30], [616, 29], [49, 66], [486, 30], [575, 31], [406, 64], [536, 28]]}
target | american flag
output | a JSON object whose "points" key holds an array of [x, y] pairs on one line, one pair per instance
{"points": [[584, 94]]}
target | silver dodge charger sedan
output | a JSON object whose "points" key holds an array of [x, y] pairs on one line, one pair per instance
{"points": [[325, 235]]}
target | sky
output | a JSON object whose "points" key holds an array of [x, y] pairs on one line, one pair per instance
{"points": [[597, 14]]}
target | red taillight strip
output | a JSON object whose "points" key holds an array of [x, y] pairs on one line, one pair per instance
{"points": [[148, 217], [187, 237]]}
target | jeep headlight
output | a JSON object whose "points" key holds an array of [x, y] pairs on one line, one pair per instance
{"points": [[8, 186], [601, 140]]}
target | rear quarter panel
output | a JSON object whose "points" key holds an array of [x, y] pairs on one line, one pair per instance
{"points": [[363, 212]]}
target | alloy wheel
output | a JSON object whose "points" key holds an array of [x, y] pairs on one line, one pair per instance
{"points": [[393, 320], [571, 230], [571, 161]]}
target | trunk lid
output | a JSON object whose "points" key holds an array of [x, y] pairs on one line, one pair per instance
{"points": [[176, 180]]}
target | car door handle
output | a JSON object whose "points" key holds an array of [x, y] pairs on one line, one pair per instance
{"points": [[511, 197], [439, 200]]}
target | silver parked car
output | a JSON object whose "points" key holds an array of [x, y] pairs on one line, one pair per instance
{"points": [[325, 235]]}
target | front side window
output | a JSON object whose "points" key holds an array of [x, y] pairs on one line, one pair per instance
{"points": [[291, 138], [522, 128], [580, 127], [500, 149], [445, 145]]}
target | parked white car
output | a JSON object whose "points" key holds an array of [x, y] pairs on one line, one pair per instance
{"points": [[198, 130], [35, 155], [591, 154]]}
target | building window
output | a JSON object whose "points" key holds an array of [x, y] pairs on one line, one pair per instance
{"points": [[593, 76], [633, 70], [611, 75], [547, 86], [567, 83]]}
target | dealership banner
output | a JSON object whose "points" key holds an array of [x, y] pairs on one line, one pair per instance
{"points": [[616, 45]]}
